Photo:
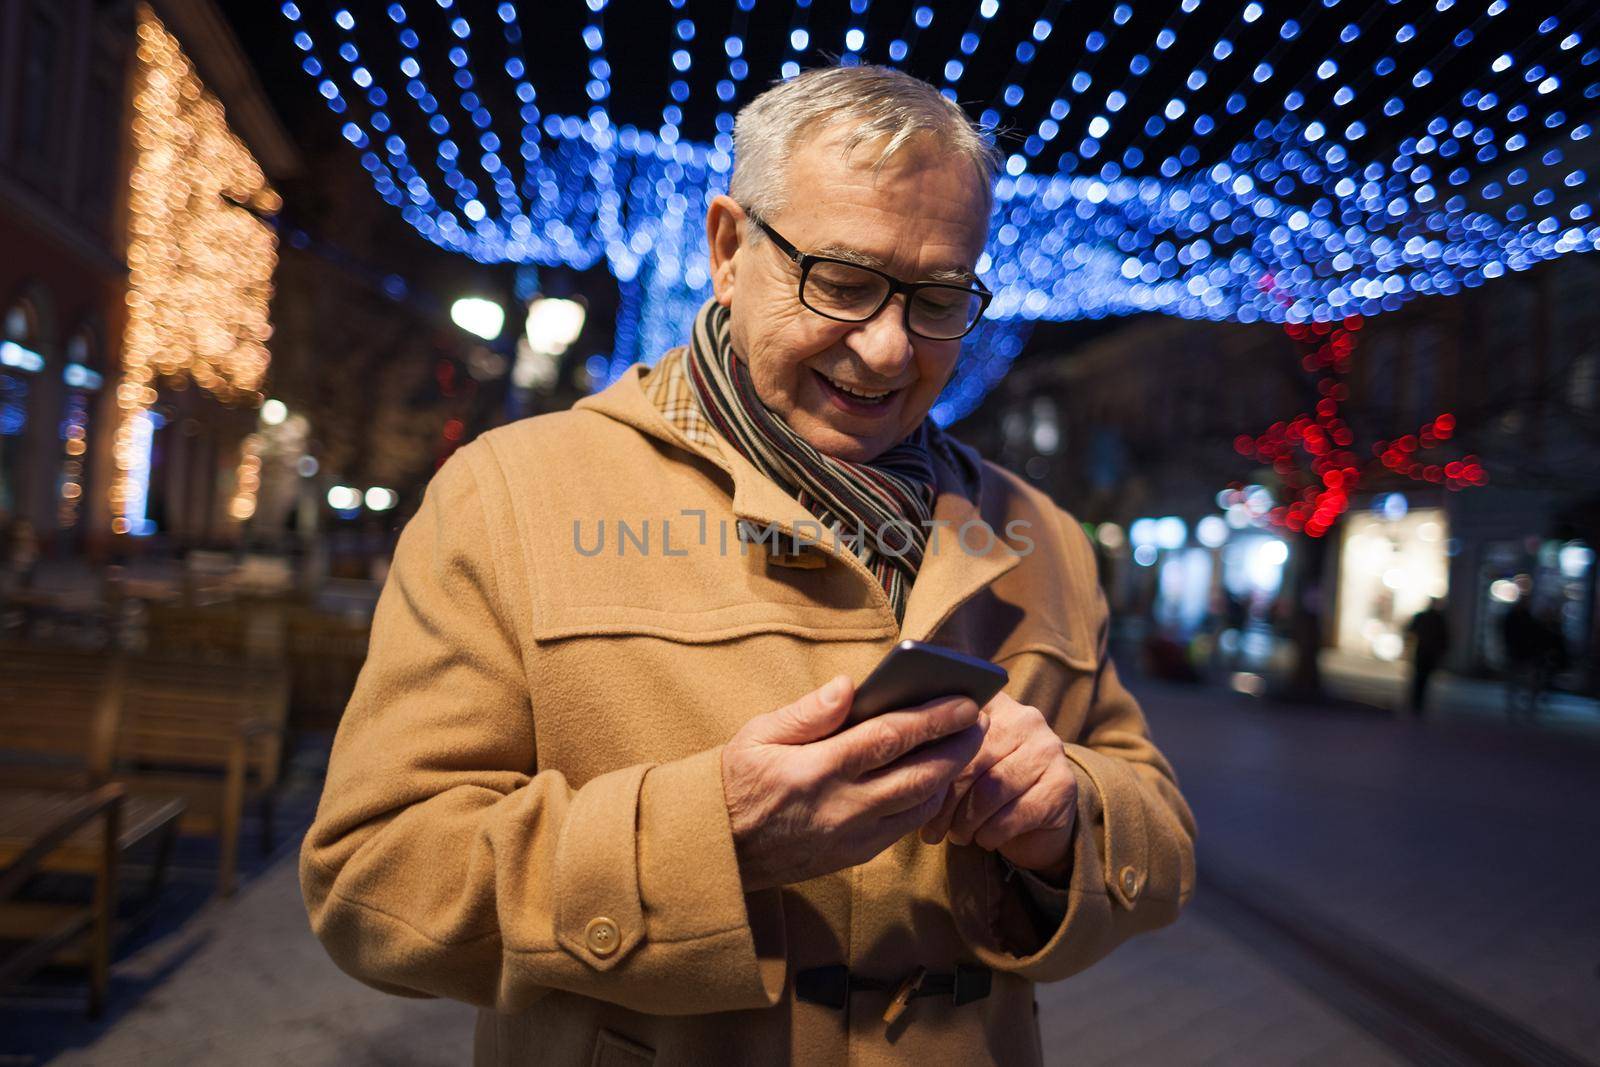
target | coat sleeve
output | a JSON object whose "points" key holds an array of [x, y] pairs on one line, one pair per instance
{"points": [[442, 863], [1132, 844]]}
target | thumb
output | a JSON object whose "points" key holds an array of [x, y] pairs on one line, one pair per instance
{"points": [[811, 718]]}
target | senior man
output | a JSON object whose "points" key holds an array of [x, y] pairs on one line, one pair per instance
{"points": [[596, 776]]}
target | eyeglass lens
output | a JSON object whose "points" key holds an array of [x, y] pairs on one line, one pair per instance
{"points": [[851, 294]]}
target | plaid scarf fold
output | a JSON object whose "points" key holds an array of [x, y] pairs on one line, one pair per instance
{"points": [[879, 509]]}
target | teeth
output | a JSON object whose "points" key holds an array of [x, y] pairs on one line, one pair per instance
{"points": [[843, 388]]}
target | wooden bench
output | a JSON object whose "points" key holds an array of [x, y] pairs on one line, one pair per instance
{"points": [[211, 735], [226, 633]]}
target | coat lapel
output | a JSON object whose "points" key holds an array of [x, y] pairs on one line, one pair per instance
{"points": [[953, 570], [756, 498]]}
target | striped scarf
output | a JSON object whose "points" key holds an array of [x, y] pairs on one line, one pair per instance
{"points": [[879, 509]]}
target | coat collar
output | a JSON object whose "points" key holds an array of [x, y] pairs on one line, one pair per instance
{"points": [[951, 572]]}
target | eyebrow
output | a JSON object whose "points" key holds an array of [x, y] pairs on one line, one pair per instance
{"points": [[953, 274]]}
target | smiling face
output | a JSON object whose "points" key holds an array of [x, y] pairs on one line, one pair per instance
{"points": [[923, 216]]}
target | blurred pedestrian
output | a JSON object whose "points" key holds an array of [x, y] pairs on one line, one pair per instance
{"points": [[1430, 640], [1533, 653]]}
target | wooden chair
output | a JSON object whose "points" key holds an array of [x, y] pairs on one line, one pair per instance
{"points": [[59, 814], [210, 734], [58, 715], [36, 828]]}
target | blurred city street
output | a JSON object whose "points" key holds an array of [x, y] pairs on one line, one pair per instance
{"points": [[1276, 324], [1373, 890]]}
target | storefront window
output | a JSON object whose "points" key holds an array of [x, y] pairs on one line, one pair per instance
{"points": [[1185, 591], [1573, 578], [1389, 568]]}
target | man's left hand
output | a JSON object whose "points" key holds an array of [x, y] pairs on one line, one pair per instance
{"points": [[1018, 796]]}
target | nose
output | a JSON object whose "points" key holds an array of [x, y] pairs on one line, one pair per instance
{"points": [[882, 341]]}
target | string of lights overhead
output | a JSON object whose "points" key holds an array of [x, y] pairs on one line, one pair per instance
{"points": [[1214, 160]]}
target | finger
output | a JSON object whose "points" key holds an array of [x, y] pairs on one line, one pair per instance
{"points": [[898, 825], [813, 717], [939, 825], [919, 777], [880, 741], [1005, 781], [1033, 752], [1008, 732], [998, 743], [1049, 804], [1010, 820], [928, 832]]}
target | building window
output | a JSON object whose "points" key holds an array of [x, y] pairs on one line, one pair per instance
{"points": [[39, 110], [101, 150], [20, 363]]}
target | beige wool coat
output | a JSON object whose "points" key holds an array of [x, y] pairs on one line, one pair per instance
{"points": [[524, 805]]}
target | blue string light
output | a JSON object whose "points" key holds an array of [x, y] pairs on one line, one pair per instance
{"points": [[1346, 194]]}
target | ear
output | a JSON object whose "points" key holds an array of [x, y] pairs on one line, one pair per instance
{"points": [[725, 221]]}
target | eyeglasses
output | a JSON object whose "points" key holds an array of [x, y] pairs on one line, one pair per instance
{"points": [[849, 292]]}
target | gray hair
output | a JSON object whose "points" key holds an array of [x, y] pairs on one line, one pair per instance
{"points": [[881, 104]]}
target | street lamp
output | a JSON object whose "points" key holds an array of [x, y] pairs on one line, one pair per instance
{"points": [[552, 325], [479, 317]]}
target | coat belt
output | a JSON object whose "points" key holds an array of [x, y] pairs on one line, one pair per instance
{"points": [[832, 985]]}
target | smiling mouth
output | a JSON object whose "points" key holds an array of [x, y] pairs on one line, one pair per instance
{"points": [[853, 397]]}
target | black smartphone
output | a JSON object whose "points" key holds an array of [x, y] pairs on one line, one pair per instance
{"points": [[914, 673]]}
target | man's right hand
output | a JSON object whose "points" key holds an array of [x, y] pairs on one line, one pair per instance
{"points": [[805, 801]]}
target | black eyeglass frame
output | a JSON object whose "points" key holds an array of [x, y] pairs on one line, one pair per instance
{"points": [[805, 261]]}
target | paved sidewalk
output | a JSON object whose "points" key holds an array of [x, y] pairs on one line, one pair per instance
{"points": [[1446, 866], [246, 984], [1452, 696]]}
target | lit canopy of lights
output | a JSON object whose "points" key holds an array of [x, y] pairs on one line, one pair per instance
{"points": [[1196, 161], [200, 260]]}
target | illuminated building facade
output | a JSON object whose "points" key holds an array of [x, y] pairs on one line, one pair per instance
{"points": [[1140, 423], [63, 75], [200, 263], [135, 210]]}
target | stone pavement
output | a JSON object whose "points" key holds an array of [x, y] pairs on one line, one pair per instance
{"points": [[1452, 696], [1432, 881], [1373, 891]]}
